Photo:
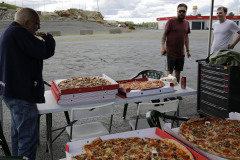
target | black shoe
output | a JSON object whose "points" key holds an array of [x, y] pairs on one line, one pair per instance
{"points": [[180, 98]]}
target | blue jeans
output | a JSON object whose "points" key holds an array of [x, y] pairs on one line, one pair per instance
{"points": [[24, 129]]}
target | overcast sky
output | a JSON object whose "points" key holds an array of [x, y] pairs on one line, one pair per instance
{"points": [[137, 11]]}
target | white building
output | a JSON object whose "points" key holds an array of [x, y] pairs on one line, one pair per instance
{"points": [[196, 22]]}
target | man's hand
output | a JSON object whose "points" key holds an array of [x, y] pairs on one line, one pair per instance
{"points": [[42, 34], [188, 54], [163, 51], [231, 46]]}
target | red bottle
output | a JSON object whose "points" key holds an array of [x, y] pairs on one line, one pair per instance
{"points": [[183, 82]]}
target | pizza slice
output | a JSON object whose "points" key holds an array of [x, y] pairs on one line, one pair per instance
{"points": [[168, 148]]}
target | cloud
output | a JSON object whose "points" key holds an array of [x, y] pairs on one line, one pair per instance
{"points": [[205, 7], [130, 10], [113, 7]]}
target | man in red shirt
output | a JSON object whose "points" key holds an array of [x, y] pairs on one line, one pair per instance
{"points": [[176, 36]]}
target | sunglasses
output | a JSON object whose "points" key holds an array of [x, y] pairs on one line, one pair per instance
{"points": [[181, 11]]}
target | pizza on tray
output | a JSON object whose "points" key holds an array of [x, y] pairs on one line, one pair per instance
{"points": [[218, 136], [142, 85], [134, 148], [82, 82]]}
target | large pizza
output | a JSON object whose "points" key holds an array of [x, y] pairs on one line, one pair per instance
{"points": [[142, 85], [134, 149], [82, 82], [215, 135]]}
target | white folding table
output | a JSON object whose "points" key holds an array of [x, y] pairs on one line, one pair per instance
{"points": [[51, 106]]}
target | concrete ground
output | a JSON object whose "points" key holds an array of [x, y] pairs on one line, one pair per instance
{"points": [[120, 56]]}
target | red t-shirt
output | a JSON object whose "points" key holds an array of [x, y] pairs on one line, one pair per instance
{"points": [[177, 32]]}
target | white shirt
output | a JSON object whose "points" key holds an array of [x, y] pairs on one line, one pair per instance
{"points": [[223, 34]]}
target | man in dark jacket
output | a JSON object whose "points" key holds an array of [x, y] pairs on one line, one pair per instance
{"points": [[21, 82]]}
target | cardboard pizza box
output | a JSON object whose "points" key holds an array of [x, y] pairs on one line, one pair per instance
{"points": [[80, 98], [85, 95], [114, 85], [135, 93], [174, 132], [75, 148]]}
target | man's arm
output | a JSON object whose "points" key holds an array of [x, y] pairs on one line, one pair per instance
{"points": [[187, 46], [212, 39], [164, 37], [231, 46]]}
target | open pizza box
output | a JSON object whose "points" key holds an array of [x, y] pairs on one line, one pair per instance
{"points": [[169, 87], [174, 132], [75, 148], [85, 95]]}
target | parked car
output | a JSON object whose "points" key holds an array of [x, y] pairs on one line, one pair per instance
{"points": [[122, 25]]}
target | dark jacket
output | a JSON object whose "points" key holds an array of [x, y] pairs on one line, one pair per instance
{"points": [[225, 57], [21, 63]]}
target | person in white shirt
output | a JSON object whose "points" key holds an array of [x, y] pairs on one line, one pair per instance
{"points": [[223, 32]]}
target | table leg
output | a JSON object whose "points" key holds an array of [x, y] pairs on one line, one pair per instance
{"points": [[1, 112], [49, 134], [125, 110], [67, 116], [39, 116], [178, 115], [4, 144]]}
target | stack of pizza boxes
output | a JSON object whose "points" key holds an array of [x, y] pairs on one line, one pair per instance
{"points": [[85, 95], [127, 92]]}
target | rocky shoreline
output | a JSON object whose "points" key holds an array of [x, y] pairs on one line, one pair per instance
{"points": [[61, 15], [64, 22]]}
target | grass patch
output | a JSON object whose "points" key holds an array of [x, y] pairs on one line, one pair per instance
{"points": [[9, 6], [128, 31]]}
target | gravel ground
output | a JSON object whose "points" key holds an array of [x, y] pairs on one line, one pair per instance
{"points": [[67, 27], [120, 56]]}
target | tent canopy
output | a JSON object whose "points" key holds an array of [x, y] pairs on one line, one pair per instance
{"points": [[210, 29]]}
